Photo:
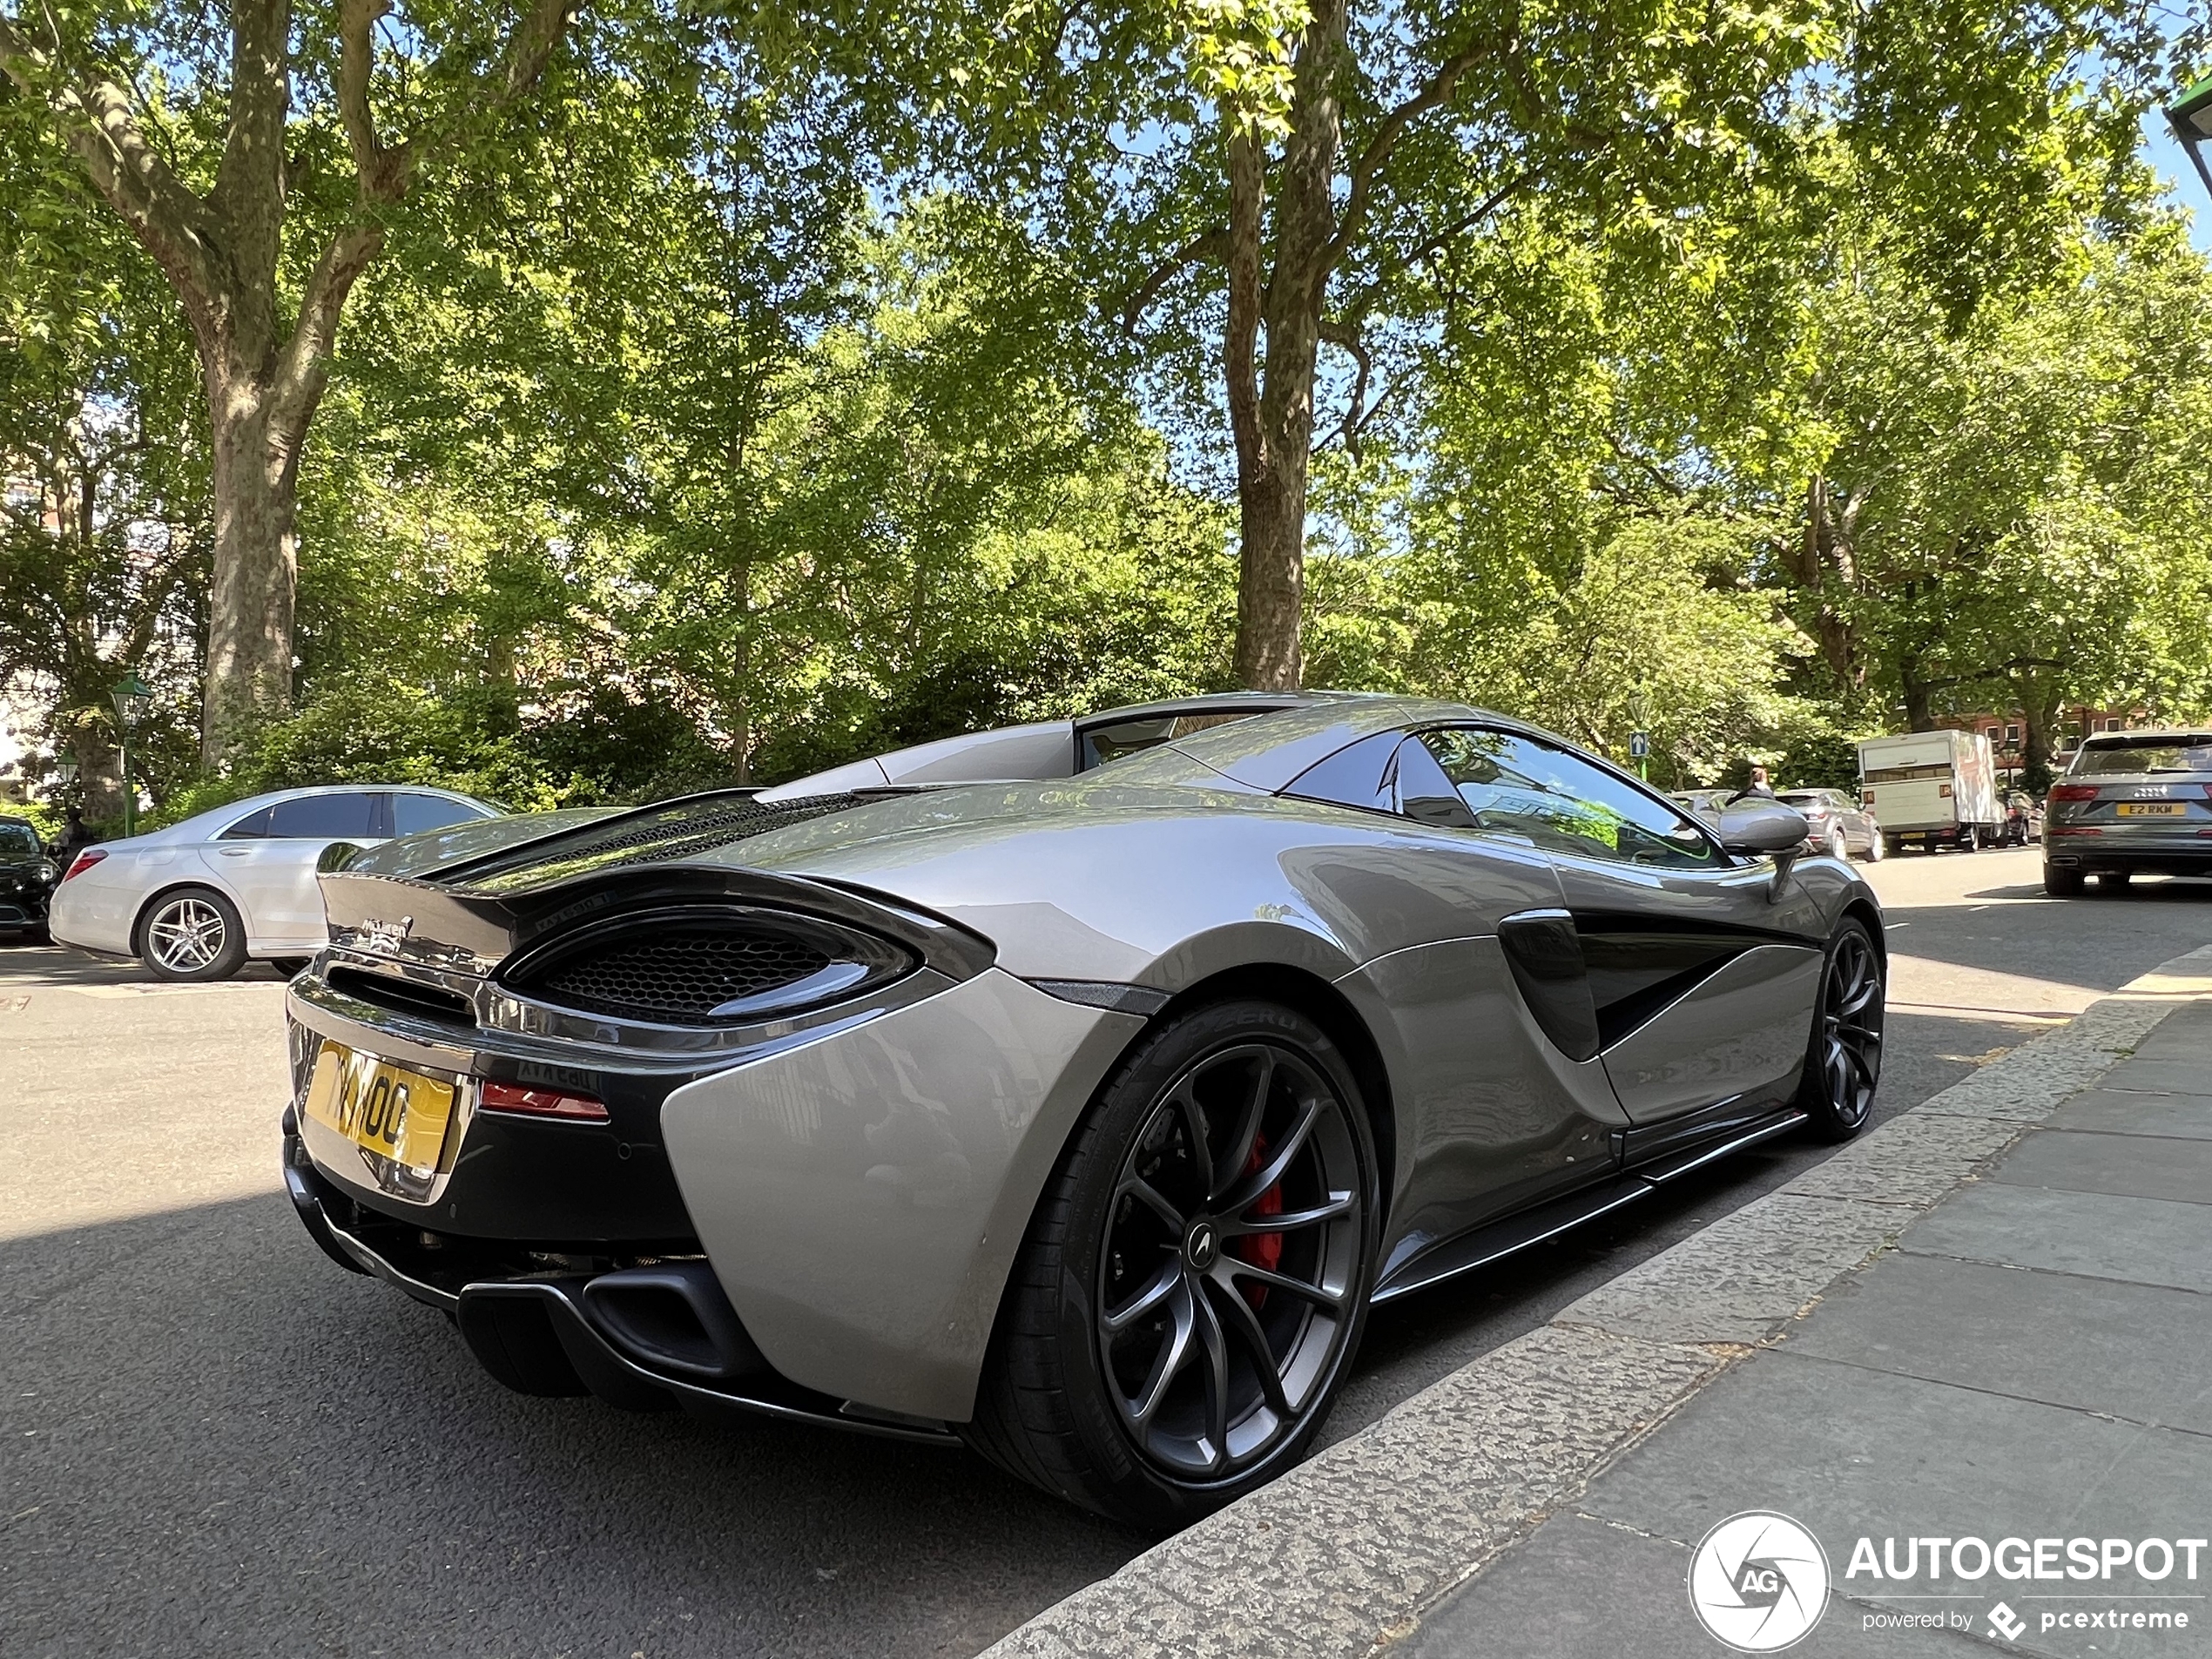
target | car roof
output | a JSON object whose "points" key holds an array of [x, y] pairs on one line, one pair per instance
{"points": [[1216, 702], [1272, 750], [2149, 738]]}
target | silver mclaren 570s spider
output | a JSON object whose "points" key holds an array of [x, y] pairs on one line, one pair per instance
{"points": [[1079, 1116]]}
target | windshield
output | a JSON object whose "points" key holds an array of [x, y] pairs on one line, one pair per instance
{"points": [[18, 840], [2191, 753]]}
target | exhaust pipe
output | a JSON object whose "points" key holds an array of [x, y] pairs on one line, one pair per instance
{"points": [[673, 1318]]}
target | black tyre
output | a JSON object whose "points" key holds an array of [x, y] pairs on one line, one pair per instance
{"points": [[2062, 883], [191, 934], [1893, 844], [291, 967], [1843, 1060], [1195, 1282], [1969, 839]]}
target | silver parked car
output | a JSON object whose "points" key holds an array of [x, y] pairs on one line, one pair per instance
{"points": [[200, 898], [1079, 1120], [2130, 801], [1840, 826]]}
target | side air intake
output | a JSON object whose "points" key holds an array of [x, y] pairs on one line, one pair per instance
{"points": [[708, 965]]}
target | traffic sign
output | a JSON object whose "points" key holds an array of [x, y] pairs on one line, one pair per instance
{"points": [[1639, 744]]}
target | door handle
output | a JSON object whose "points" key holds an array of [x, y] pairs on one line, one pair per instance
{"points": [[235, 852]]}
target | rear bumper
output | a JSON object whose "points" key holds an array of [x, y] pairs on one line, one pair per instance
{"points": [[542, 1331], [858, 1188], [2096, 854]]}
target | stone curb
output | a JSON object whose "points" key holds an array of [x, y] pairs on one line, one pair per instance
{"points": [[1340, 1556]]}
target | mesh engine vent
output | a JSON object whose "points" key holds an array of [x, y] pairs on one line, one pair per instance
{"points": [[681, 975]]}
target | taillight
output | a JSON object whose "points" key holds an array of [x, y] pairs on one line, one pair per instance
{"points": [[85, 861], [539, 1102], [2073, 791]]}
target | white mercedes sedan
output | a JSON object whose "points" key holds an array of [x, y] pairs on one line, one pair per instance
{"points": [[199, 900]]}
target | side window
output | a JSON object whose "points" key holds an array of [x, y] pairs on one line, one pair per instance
{"points": [[1560, 801], [324, 817], [251, 827], [411, 814], [1357, 776]]}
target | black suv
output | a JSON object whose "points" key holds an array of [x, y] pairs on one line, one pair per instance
{"points": [[27, 879]]}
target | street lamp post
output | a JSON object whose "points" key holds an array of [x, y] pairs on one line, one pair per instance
{"points": [[132, 695]]}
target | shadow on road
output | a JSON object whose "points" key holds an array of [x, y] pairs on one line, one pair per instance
{"points": [[199, 1398], [61, 964]]}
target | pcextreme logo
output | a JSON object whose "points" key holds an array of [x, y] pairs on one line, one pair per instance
{"points": [[1758, 1581]]}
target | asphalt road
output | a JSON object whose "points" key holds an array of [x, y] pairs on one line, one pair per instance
{"points": [[213, 1441]]}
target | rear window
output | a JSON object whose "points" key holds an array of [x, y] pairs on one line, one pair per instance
{"points": [[1105, 743], [411, 814], [2193, 754]]}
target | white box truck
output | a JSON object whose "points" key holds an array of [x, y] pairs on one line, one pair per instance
{"points": [[1932, 789]]}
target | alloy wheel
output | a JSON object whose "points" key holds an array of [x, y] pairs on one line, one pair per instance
{"points": [[187, 936], [1850, 1032], [1229, 1259]]}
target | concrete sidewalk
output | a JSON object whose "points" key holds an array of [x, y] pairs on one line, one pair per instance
{"points": [[1989, 1318], [2033, 1360]]}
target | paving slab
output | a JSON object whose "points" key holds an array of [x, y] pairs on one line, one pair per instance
{"points": [[2113, 1111], [2134, 1166], [2173, 1075], [1580, 1589], [1849, 1451], [2187, 1034], [2130, 1350], [2146, 1241]]}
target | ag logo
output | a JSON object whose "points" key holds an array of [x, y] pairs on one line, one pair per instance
{"points": [[1758, 1581]]}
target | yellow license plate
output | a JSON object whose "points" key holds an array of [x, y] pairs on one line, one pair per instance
{"points": [[2151, 809], [382, 1107]]}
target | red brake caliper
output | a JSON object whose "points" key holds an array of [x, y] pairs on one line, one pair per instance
{"points": [[1261, 1250]]}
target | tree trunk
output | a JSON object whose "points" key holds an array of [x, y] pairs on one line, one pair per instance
{"points": [[1919, 697], [1826, 565], [1270, 402], [256, 564], [99, 774], [1271, 586], [2040, 707]]}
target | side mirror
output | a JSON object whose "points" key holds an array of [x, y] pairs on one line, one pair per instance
{"points": [[1763, 828]]}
